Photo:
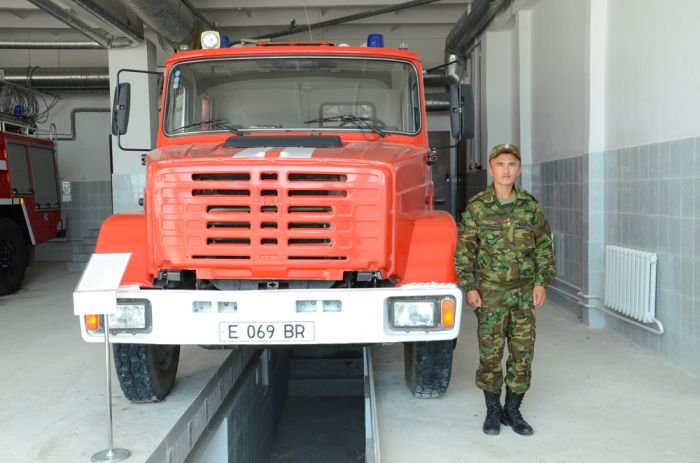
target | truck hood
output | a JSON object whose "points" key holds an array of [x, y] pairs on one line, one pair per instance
{"points": [[367, 151]]}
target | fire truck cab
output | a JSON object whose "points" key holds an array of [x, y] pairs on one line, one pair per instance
{"points": [[30, 204], [289, 201]]}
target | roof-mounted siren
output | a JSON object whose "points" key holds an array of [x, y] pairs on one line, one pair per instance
{"points": [[375, 40]]}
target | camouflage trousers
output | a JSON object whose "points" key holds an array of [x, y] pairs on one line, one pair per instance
{"points": [[506, 316]]}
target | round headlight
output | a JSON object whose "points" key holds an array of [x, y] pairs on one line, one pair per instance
{"points": [[210, 39]]}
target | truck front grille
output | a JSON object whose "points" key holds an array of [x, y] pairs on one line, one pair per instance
{"points": [[270, 221]]}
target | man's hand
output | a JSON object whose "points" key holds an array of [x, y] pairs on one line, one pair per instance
{"points": [[474, 299], [539, 296]]}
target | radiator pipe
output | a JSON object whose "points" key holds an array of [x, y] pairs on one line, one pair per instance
{"points": [[659, 326]]}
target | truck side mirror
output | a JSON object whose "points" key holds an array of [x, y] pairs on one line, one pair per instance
{"points": [[120, 108], [461, 111]]}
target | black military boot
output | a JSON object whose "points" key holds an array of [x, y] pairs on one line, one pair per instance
{"points": [[511, 414], [492, 423]]}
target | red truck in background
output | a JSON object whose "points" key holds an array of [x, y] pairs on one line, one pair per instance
{"points": [[30, 204], [289, 201]]}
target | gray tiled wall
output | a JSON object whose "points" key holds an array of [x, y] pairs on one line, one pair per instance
{"points": [[558, 185], [652, 203], [90, 204], [643, 197]]}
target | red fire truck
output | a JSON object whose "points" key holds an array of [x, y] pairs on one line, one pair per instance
{"points": [[30, 205], [289, 201]]}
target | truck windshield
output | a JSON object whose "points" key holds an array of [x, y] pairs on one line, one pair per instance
{"points": [[296, 93]]}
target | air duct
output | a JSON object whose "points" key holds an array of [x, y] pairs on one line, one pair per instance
{"points": [[67, 80], [99, 41], [91, 7], [170, 18], [67, 18], [49, 45], [470, 25]]}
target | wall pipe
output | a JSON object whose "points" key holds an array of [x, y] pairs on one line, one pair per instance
{"points": [[97, 11], [66, 18], [345, 19], [73, 126]]}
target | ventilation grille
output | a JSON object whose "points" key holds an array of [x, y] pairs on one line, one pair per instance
{"points": [[270, 217]]}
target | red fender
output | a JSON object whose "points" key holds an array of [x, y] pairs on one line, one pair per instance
{"points": [[127, 233], [429, 254]]}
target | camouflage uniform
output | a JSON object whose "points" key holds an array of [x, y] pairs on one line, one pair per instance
{"points": [[503, 257]]}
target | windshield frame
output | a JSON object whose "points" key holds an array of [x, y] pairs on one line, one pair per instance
{"points": [[353, 129]]}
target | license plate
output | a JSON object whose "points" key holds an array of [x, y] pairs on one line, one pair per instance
{"points": [[282, 332]]}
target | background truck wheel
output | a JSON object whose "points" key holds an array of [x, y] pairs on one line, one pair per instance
{"points": [[14, 256], [146, 372], [428, 367]]}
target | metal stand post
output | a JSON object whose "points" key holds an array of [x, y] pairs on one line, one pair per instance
{"points": [[110, 455]]}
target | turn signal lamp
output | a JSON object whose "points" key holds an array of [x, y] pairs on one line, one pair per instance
{"points": [[210, 39], [447, 312], [92, 322]]}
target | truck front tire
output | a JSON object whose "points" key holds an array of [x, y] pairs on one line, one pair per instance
{"points": [[14, 256], [428, 367], [146, 372]]}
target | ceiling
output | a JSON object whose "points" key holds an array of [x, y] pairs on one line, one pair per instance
{"points": [[238, 19]]}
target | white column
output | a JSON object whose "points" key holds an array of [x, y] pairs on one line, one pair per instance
{"points": [[128, 177], [595, 122], [524, 59]]}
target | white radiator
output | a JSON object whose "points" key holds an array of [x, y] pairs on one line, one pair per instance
{"points": [[630, 283]]}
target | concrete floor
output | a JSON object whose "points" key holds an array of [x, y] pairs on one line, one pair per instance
{"points": [[52, 392], [595, 397]]}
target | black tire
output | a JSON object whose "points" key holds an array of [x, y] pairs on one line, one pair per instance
{"points": [[14, 256], [146, 372], [428, 367]]}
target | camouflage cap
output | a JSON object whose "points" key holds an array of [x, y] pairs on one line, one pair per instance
{"points": [[505, 148]]}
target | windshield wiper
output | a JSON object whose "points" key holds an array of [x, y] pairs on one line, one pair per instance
{"points": [[360, 122], [212, 123]]}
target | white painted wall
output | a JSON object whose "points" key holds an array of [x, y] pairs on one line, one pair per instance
{"points": [[499, 88], [652, 71], [559, 79], [86, 158]]}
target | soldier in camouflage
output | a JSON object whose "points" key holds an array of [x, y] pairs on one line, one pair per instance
{"points": [[505, 261]]}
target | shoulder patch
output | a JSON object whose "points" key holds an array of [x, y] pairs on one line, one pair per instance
{"points": [[529, 196], [477, 196]]}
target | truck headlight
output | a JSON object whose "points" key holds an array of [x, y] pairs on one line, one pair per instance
{"points": [[411, 314], [130, 315], [421, 313]]}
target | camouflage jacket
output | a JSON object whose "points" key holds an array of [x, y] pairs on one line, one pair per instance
{"points": [[498, 251]]}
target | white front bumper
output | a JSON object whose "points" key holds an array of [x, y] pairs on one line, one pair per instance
{"points": [[364, 318]]}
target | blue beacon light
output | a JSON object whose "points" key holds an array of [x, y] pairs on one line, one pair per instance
{"points": [[375, 40]]}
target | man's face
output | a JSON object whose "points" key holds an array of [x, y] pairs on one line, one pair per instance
{"points": [[505, 169]]}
